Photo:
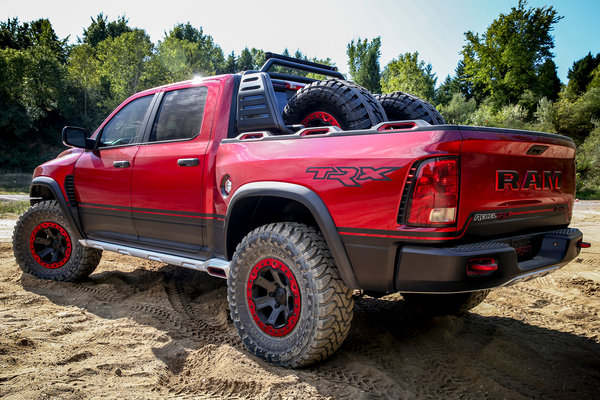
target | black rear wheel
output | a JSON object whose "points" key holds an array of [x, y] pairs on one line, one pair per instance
{"points": [[401, 106], [334, 102], [287, 301]]}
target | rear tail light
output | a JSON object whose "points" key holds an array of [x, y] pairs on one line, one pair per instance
{"points": [[293, 86], [434, 198]]}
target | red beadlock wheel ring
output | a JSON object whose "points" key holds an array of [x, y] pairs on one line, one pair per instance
{"points": [[50, 245], [273, 297], [325, 118]]}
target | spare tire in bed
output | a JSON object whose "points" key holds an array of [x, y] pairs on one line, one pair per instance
{"points": [[401, 106], [334, 102]]}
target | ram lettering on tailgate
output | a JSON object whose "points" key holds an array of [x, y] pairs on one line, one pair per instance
{"points": [[533, 180]]}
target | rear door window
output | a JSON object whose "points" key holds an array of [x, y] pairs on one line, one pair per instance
{"points": [[180, 115]]}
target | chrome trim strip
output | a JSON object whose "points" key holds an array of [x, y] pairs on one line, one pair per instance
{"points": [[531, 275], [217, 267]]}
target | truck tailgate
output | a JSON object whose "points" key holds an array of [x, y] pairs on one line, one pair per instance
{"points": [[514, 181]]}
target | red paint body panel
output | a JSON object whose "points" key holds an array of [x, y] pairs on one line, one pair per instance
{"points": [[59, 167], [158, 182], [484, 153], [374, 204], [99, 182]]}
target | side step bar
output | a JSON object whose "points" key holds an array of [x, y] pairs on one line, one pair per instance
{"points": [[217, 267]]}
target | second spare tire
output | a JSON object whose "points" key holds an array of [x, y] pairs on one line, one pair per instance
{"points": [[400, 106], [334, 102]]}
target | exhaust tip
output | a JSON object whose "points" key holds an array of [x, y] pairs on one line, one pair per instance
{"points": [[218, 272]]}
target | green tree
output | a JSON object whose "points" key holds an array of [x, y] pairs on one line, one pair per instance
{"points": [[44, 84], [245, 62], [363, 60], [579, 103], [326, 61], [595, 82], [183, 53], [230, 64], [588, 165], [258, 57], [458, 110], [208, 57], [547, 85], [446, 91], [511, 54], [14, 35], [123, 61], [177, 60], [545, 115], [83, 68], [580, 74], [409, 74], [15, 122], [32, 77], [575, 116], [101, 29]]}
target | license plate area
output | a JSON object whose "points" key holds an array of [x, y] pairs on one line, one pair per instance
{"points": [[525, 247]]}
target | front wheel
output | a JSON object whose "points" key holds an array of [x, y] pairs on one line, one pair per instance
{"points": [[45, 245], [287, 301]]}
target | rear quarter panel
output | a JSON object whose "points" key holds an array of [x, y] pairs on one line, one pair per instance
{"points": [[359, 177]]}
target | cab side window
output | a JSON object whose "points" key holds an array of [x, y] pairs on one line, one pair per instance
{"points": [[125, 126], [180, 114]]}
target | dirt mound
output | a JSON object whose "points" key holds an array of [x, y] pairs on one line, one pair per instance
{"points": [[140, 329]]}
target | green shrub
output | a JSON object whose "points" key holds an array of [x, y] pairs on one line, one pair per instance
{"points": [[545, 116], [12, 209], [459, 110], [588, 165]]}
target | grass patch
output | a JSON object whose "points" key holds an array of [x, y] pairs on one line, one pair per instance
{"points": [[12, 209], [588, 194], [14, 183]]}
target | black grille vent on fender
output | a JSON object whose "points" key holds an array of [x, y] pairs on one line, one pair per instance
{"points": [[405, 193], [70, 190]]}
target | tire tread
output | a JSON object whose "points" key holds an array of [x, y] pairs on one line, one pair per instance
{"points": [[403, 106], [334, 301], [354, 103], [83, 262]]}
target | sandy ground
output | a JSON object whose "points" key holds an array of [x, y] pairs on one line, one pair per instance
{"points": [[143, 330]]}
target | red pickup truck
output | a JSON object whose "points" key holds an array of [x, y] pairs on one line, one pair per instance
{"points": [[299, 192]]}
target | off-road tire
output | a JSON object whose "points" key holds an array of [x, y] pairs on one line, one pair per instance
{"points": [[401, 106], [48, 216], [326, 304], [445, 304], [351, 106]]}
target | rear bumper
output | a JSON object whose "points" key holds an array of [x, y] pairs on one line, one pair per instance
{"points": [[423, 269]]}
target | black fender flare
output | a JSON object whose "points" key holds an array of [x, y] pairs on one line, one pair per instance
{"points": [[54, 187], [317, 208]]}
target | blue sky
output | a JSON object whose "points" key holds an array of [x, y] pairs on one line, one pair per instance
{"points": [[323, 28]]}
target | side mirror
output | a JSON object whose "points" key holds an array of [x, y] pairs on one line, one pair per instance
{"points": [[77, 137]]}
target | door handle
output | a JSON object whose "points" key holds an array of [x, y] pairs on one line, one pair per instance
{"points": [[188, 162], [121, 164]]}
